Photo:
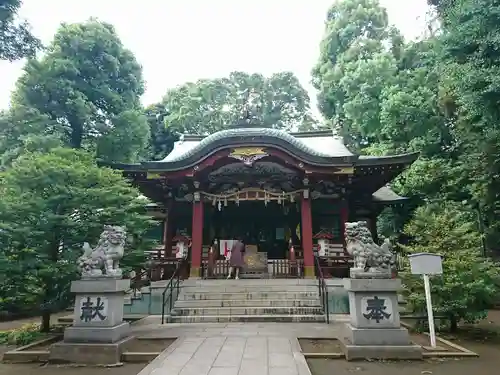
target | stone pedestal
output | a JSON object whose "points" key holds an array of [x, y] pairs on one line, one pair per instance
{"points": [[98, 332], [374, 330]]}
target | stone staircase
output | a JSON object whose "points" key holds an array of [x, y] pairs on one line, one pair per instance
{"points": [[248, 300], [255, 300]]}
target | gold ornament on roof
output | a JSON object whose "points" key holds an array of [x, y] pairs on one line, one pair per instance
{"points": [[248, 155], [248, 151]]}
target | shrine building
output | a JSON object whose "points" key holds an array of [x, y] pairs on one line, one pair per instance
{"points": [[286, 194]]}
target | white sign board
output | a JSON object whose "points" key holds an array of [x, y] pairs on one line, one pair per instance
{"points": [[425, 264]]}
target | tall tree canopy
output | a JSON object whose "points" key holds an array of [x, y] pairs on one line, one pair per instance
{"points": [[91, 84], [382, 93], [435, 96], [357, 58], [25, 129], [51, 203], [16, 39], [209, 105], [471, 90], [162, 137]]}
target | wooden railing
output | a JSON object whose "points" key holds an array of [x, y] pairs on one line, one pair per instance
{"points": [[214, 270], [276, 268], [335, 266], [163, 269], [285, 269]]}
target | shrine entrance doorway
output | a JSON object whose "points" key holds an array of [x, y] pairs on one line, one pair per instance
{"points": [[267, 228]]}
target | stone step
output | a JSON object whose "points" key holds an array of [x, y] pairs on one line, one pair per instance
{"points": [[250, 288], [255, 295], [200, 303], [246, 318], [285, 283], [247, 311], [254, 275]]}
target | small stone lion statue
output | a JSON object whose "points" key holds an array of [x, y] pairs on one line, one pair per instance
{"points": [[104, 259], [369, 258]]}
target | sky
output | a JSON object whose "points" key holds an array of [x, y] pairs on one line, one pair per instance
{"points": [[177, 41]]}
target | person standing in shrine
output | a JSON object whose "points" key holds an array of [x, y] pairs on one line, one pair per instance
{"points": [[236, 261]]}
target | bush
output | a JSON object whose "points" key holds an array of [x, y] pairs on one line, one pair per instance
{"points": [[51, 203], [468, 286], [23, 335]]}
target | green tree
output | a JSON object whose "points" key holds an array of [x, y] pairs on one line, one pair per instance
{"points": [[209, 105], [469, 284], [384, 95], [162, 138], [380, 91], [469, 39], [90, 83], [26, 130], [51, 204], [126, 140], [16, 39], [358, 58]]}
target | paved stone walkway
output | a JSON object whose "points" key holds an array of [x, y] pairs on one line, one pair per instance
{"points": [[233, 348], [151, 327]]}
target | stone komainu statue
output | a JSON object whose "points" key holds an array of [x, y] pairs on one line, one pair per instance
{"points": [[104, 259], [369, 257]]}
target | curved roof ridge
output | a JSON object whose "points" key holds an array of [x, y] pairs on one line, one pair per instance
{"points": [[189, 146]]}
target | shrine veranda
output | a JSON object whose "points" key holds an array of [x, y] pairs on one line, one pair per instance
{"points": [[286, 194]]}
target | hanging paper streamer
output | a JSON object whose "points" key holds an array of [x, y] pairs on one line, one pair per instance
{"points": [[252, 194]]}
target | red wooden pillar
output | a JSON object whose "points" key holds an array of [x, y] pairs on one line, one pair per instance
{"points": [[197, 239], [164, 240], [307, 235], [167, 231], [344, 218]]}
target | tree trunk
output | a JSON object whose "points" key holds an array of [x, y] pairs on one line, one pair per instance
{"points": [[76, 135], [45, 325], [453, 324], [47, 307]]}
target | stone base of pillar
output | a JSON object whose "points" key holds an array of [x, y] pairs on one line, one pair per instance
{"points": [[89, 353], [194, 273], [374, 330], [309, 272], [98, 334]]}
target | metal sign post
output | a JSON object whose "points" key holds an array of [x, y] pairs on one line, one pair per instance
{"points": [[428, 300], [426, 264]]}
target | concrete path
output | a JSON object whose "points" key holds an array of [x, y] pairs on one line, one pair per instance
{"points": [[234, 348]]}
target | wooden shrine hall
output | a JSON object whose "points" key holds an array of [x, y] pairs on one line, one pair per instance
{"points": [[282, 192]]}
